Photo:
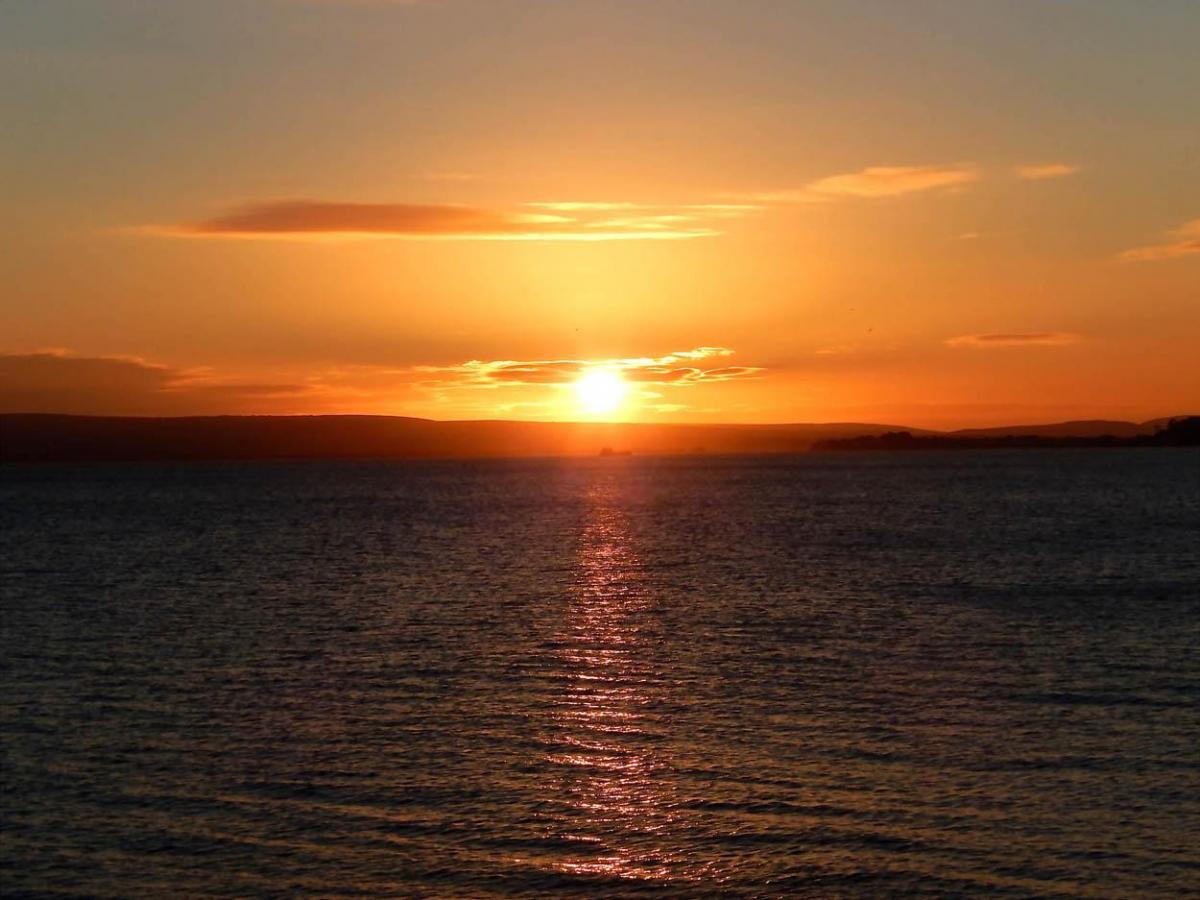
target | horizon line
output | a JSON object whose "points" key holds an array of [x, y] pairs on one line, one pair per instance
{"points": [[593, 422]]}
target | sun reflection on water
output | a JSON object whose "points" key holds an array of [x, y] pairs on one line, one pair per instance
{"points": [[616, 797]]}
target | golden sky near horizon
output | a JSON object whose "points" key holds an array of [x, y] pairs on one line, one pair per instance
{"points": [[935, 214]]}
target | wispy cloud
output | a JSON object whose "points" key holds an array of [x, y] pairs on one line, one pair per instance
{"points": [[678, 369], [314, 220], [537, 387], [1042, 171], [1181, 241], [1015, 339], [876, 182]]}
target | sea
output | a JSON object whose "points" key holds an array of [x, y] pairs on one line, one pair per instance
{"points": [[924, 674]]}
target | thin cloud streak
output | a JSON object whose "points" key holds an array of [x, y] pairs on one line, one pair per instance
{"points": [[1183, 241], [1015, 339], [316, 220], [1043, 171], [875, 182]]}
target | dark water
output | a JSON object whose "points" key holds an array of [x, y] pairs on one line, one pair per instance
{"points": [[922, 674]]}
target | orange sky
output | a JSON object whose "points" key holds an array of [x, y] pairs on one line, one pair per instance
{"points": [[945, 214]]}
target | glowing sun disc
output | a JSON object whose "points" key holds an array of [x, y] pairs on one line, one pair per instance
{"points": [[601, 391]]}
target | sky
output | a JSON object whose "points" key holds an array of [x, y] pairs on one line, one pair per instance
{"points": [[937, 213]]}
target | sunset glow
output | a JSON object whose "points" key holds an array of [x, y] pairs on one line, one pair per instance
{"points": [[918, 214], [600, 448], [601, 391]]}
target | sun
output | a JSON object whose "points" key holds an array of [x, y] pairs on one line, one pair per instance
{"points": [[601, 391]]}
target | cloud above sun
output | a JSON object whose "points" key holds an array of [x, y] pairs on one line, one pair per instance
{"points": [[567, 219], [317, 219]]}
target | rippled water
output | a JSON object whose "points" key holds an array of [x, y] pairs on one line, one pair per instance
{"points": [[925, 674]]}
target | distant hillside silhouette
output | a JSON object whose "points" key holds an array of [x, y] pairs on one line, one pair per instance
{"points": [[43, 438], [1084, 428], [55, 438], [1180, 432]]}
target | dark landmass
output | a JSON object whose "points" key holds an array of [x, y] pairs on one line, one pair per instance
{"points": [[1076, 429], [62, 438], [1180, 432]]}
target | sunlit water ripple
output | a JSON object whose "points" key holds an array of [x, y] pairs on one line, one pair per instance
{"points": [[926, 674]]}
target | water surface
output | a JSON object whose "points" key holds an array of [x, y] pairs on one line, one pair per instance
{"points": [[910, 674]]}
